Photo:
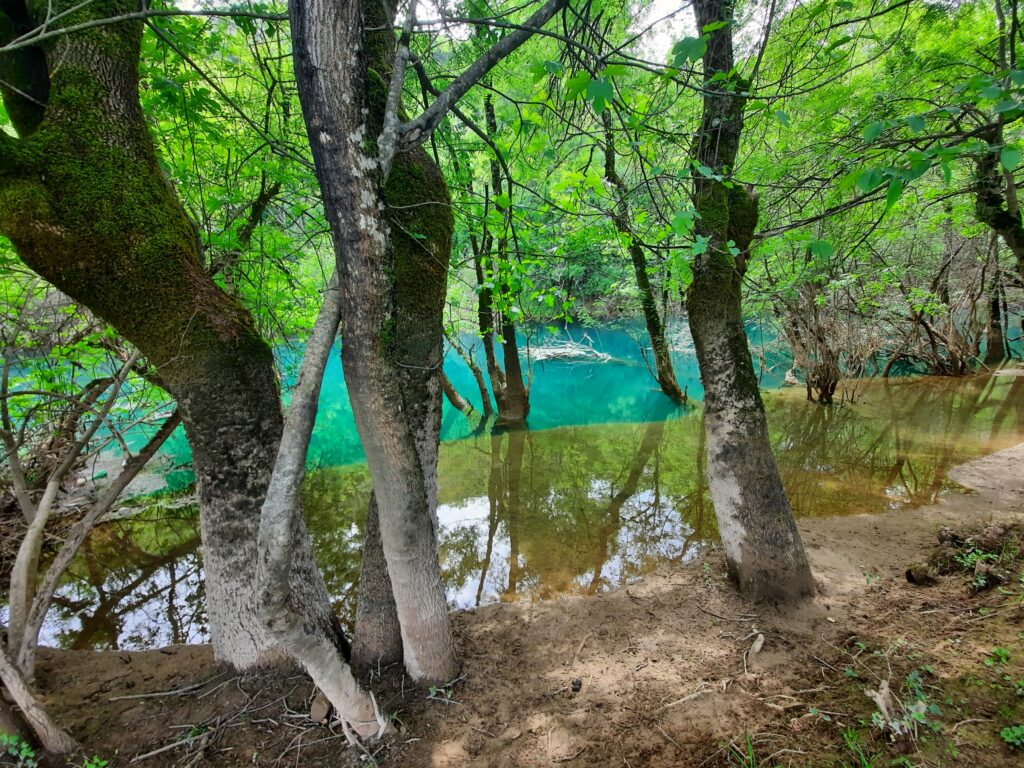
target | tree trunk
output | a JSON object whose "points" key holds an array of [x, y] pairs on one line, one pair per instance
{"points": [[762, 545], [478, 377], [461, 404], [995, 343], [510, 392], [53, 738], [990, 201], [315, 640], [515, 405], [664, 370], [84, 201], [389, 329], [377, 641]]}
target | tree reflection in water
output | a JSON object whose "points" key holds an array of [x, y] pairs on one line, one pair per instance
{"points": [[567, 510]]}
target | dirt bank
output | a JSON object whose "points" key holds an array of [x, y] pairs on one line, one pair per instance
{"points": [[663, 667]]}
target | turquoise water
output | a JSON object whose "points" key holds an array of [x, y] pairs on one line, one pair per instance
{"points": [[589, 390]]}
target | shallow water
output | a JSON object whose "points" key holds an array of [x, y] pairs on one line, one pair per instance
{"points": [[611, 384], [571, 509]]}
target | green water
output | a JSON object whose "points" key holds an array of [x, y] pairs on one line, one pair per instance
{"points": [[612, 384], [573, 509]]}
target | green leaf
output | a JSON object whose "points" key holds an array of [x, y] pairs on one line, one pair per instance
{"points": [[688, 49], [841, 41], [892, 194], [782, 117], [714, 25], [682, 223], [869, 179], [601, 93], [873, 131], [915, 123], [1007, 106], [1009, 157], [615, 70], [576, 85], [821, 249]]}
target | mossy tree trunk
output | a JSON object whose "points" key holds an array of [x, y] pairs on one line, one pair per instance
{"points": [[995, 200], [87, 207], [762, 545], [393, 288]]}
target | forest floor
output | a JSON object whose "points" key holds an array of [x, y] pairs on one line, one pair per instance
{"points": [[665, 670]]}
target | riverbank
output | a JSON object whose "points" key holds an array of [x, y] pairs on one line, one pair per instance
{"points": [[664, 667]]}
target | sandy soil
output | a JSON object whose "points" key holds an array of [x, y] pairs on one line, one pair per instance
{"points": [[663, 667]]}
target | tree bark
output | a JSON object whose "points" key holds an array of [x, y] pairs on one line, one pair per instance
{"points": [[377, 641], [762, 545], [53, 738], [382, 324], [316, 641], [990, 201], [84, 201]]}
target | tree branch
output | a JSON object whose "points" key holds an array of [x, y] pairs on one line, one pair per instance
{"points": [[388, 140], [417, 131], [41, 34]]}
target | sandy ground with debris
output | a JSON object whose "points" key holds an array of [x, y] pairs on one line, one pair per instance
{"points": [[663, 667]]}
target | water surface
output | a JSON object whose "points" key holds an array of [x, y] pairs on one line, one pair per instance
{"points": [[572, 509]]}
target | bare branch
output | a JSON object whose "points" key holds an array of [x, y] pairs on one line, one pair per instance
{"points": [[389, 133]]}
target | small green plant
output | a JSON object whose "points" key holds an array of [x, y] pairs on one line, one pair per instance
{"points": [[997, 657], [442, 692], [969, 562], [853, 744], [95, 762], [16, 748], [1013, 735], [743, 758], [870, 578]]}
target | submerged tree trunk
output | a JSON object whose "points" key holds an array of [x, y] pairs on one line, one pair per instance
{"points": [[389, 327], [461, 404], [664, 370], [510, 391], [84, 201], [762, 545]]}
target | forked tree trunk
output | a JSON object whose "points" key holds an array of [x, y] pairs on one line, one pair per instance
{"points": [[84, 201], [762, 545], [395, 421]]}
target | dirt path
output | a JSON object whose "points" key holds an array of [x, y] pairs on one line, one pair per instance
{"points": [[663, 668]]}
